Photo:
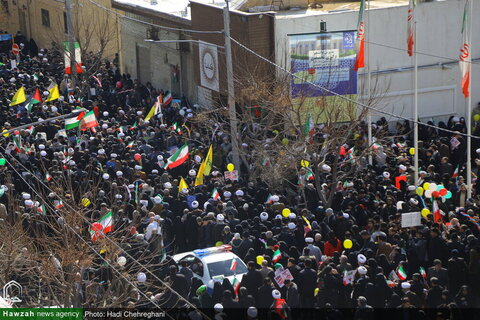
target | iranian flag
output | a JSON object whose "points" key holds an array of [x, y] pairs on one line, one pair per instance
{"points": [[48, 177], [130, 144], [269, 199], [465, 56], [168, 98], [236, 285], [309, 175], [360, 43], [72, 123], [402, 275], [177, 158], [349, 277], [308, 127], [233, 266], [215, 194], [42, 209], [411, 27], [277, 255], [455, 173], [423, 273], [88, 121], [437, 213], [107, 222], [58, 204]]}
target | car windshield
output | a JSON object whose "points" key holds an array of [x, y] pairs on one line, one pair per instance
{"points": [[222, 268]]}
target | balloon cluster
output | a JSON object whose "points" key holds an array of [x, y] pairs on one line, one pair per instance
{"points": [[432, 191]]}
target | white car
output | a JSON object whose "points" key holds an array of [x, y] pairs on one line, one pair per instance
{"points": [[212, 265]]}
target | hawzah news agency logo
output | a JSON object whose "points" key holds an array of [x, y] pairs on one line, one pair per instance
{"points": [[12, 291]]}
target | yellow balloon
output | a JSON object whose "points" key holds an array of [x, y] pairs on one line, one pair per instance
{"points": [[218, 244], [426, 186], [420, 191], [476, 117], [284, 141], [411, 151], [260, 260], [316, 291], [425, 212], [286, 212], [347, 244], [275, 131], [305, 163], [5, 134], [86, 202], [230, 167]]}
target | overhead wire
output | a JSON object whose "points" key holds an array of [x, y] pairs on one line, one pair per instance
{"points": [[110, 240], [53, 210], [349, 99]]}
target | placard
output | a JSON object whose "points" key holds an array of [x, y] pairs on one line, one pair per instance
{"points": [[231, 175], [411, 219]]}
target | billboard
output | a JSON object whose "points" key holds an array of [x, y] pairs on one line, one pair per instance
{"points": [[325, 59]]}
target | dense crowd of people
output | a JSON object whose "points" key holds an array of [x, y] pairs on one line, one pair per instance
{"points": [[351, 253]]}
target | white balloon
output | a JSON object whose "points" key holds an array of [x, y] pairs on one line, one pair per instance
{"points": [[428, 194], [433, 187], [121, 261], [141, 277]]}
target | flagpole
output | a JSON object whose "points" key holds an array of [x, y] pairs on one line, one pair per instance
{"points": [[369, 114], [415, 101], [469, 112]]}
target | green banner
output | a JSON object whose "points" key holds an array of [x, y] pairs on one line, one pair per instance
{"points": [[41, 313]]}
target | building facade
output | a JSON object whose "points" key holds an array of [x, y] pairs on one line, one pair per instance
{"points": [[96, 28]]}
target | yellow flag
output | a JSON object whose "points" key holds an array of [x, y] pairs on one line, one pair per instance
{"points": [[208, 162], [201, 170], [151, 113], [54, 94], [19, 97], [182, 185]]}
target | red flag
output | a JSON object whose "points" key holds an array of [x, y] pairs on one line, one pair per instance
{"points": [[360, 43], [411, 27], [398, 179]]}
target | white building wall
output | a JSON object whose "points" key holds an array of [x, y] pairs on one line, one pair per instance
{"points": [[159, 56], [439, 27]]}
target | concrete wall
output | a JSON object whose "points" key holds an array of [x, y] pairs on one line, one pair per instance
{"points": [[153, 62], [439, 26], [92, 23]]}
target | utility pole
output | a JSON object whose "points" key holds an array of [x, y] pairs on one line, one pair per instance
{"points": [[71, 42], [231, 92]]}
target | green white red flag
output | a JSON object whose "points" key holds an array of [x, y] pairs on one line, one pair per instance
{"points": [[465, 55], [402, 274], [277, 255], [360, 42], [177, 158]]}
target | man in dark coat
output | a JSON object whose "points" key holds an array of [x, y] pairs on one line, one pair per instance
{"points": [[457, 272], [307, 280], [439, 273], [252, 280]]}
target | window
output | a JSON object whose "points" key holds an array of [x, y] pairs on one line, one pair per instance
{"points": [[65, 24], [45, 18], [222, 268]]}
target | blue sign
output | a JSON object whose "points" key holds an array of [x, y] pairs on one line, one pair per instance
{"points": [[5, 37], [325, 59]]}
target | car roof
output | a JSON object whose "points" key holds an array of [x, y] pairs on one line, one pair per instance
{"points": [[208, 258]]}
